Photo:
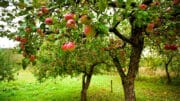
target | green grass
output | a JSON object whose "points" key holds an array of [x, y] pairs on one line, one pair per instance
{"points": [[26, 88]]}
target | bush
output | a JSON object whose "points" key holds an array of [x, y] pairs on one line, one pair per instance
{"points": [[7, 65]]}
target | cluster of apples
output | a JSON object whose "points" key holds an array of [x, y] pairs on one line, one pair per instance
{"points": [[144, 6], [23, 41], [170, 47], [70, 20], [71, 23]]}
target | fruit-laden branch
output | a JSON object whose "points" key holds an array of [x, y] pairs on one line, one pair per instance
{"points": [[116, 32]]}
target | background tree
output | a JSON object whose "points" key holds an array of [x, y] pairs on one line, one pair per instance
{"points": [[165, 37], [7, 65]]}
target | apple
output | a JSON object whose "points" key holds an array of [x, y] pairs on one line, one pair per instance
{"points": [[39, 30], [173, 47], [23, 40], [85, 19], [71, 23], [18, 38], [48, 21], [69, 46], [44, 9], [157, 3], [69, 16], [27, 29], [150, 27], [32, 58], [167, 46], [89, 30], [176, 2], [22, 46], [143, 6]]}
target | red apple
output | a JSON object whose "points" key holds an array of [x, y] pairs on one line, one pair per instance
{"points": [[23, 40], [173, 47], [167, 46], [150, 27], [27, 29], [69, 16], [176, 2], [143, 6], [89, 30], [157, 3], [44, 9], [71, 23], [39, 30], [48, 21], [69, 46], [18, 38], [32, 58], [22, 46]]}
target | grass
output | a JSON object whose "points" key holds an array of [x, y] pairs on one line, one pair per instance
{"points": [[26, 88]]}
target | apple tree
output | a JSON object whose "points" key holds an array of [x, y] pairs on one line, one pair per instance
{"points": [[97, 17], [165, 37]]}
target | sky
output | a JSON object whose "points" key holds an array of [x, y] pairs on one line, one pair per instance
{"points": [[6, 43]]}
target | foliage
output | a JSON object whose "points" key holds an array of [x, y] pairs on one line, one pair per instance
{"points": [[7, 65]]}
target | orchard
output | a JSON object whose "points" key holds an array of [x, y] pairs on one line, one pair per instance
{"points": [[73, 37]]}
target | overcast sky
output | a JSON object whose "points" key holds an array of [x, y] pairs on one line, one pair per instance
{"points": [[6, 43]]}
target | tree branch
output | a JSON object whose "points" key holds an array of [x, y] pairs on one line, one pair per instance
{"points": [[117, 33]]}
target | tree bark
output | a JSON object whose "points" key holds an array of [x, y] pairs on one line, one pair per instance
{"points": [[128, 87], [84, 88]]}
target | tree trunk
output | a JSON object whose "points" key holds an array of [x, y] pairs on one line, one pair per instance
{"points": [[84, 88], [166, 69], [167, 74], [86, 79], [128, 86]]}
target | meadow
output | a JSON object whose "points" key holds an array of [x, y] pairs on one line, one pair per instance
{"points": [[27, 88]]}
